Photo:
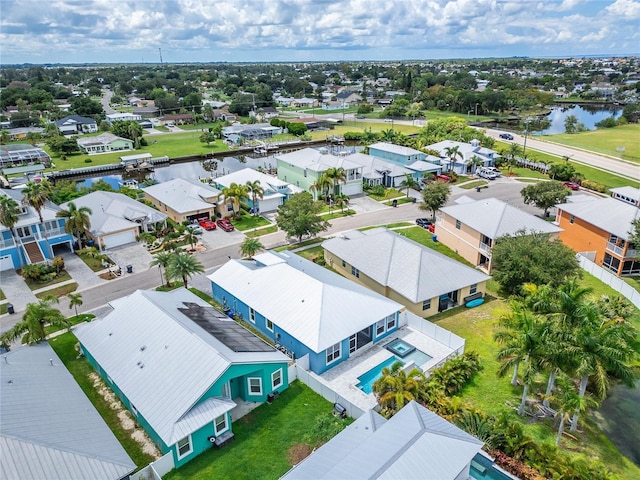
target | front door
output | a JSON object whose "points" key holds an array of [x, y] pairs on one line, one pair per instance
{"points": [[360, 339]]}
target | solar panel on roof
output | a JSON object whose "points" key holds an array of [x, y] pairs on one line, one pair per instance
{"points": [[226, 330]]}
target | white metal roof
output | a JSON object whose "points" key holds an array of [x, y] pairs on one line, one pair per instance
{"points": [[48, 427], [393, 148], [495, 218], [627, 191], [423, 166], [467, 150], [163, 361], [314, 305], [414, 271], [31, 216], [315, 160], [183, 195], [609, 214], [271, 185], [414, 443], [373, 165]]}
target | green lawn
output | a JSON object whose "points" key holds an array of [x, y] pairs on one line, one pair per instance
{"points": [[263, 439], [634, 281], [605, 140], [59, 291], [93, 263], [311, 253], [388, 193], [475, 184], [262, 231], [247, 222], [304, 243], [389, 225], [425, 237], [2, 295], [61, 277], [64, 345], [336, 213]]}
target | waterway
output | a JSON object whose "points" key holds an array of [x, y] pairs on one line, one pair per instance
{"points": [[587, 115], [621, 413]]}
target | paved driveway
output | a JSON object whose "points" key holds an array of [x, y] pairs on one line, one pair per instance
{"points": [[16, 290], [134, 254]]}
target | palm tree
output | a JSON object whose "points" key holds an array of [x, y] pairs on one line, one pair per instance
{"points": [[35, 317], [75, 301], [408, 183], [183, 266], [9, 212], [161, 260], [512, 153], [250, 247], [342, 200], [453, 153], [395, 387], [36, 195], [336, 176], [476, 162], [236, 194], [256, 191], [78, 220], [322, 185], [568, 402], [191, 235]]}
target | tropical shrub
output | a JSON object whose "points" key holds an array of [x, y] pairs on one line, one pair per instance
{"points": [[591, 185]]}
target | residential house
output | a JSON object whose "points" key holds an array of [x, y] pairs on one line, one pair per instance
{"points": [[256, 131], [275, 191], [600, 230], [117, 219], [304, 167], [180, 367], [423, 280], [48, 427], [348, 98], [471, 228], [75, 125], [414, 443], [304, 102], [34, 242], [396, 153], [22, 153], [21, 133], [376, 171], [178, 119], [469, 153], [307, 309], [104, 143], [626, 194], [123, 117], [146, 111], [181, 199]]}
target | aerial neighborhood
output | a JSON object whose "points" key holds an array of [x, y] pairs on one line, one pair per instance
{"points": [[320, 270]]}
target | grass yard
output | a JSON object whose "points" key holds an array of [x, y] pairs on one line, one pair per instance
{"points": [[93, 263], [59, 291], [425, 237], [262, 231], [2, 295], [247, 222], [64, 345], [311, 253], [634, 281], [336, 213], [604, 140], [388, 193], [389, 226], [61, 277], [304, 243], [472, 185], [398, 200], [265, 438]]}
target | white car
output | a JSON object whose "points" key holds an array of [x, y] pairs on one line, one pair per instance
{"points": [[494, 170], [487, 174]]}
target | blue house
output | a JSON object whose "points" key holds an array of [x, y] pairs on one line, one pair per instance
{"points": [[396, 153], [181, 367], [306, 309], [32, 241]]}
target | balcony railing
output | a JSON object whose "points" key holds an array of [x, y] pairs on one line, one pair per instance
{"points": [[54, 232], [486, 248], [7, 243], [612, 247]]}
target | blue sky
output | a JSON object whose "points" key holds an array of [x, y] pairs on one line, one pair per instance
{"points": [[122, 31]]}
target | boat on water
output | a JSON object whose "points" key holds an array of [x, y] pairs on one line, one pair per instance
{"points": [[129, 183]]}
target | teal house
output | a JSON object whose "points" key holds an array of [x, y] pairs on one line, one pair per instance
{"points": [[181, 368]]}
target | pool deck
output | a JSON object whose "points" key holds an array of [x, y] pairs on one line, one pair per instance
{"points": [[343, 378]]}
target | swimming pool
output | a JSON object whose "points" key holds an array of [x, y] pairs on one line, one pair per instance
{"points": [[367, 379]]}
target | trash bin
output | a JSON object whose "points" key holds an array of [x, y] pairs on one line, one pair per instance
{"points": [[10, 308], [129, 268], [434, 238], [414, 200], [395, 202]]}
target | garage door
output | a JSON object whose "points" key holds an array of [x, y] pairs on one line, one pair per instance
{"points": [[269, 205], [117, 239], [352, 188], [6, 263]]}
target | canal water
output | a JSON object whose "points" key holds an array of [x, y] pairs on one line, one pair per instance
{"points": [[587, 115], [621, 413]]}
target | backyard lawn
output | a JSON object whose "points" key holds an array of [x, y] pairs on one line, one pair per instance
{"points": [[247, 222], [265, 440], [425, 237]]}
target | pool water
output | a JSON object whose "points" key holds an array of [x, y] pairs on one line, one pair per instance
{"points": [[367, 379], [418, 357]]}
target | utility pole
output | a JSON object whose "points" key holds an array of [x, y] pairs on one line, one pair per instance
{"points": [[526, 132], [160, 50]]}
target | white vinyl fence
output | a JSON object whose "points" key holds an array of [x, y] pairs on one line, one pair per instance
{"points": [[614, 282], [432, 330], [155, 470]]}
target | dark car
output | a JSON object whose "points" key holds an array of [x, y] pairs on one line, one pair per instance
{"points": [[225, 224], [423, 222], [506, 136], [207, 224], [572, 185]]}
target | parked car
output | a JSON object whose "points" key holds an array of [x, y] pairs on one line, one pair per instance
{"points": [[360, 117], [207, 224], [195, 229], [487, 174], [572, 185], [506, 136], [442, 178], [494, 170], [423, 222], [225, 224]]}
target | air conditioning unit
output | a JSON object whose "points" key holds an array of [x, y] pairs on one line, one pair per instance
{"points": [[212, 439]]}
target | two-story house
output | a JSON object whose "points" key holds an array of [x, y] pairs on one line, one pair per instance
{"points": [[600, 228], [304, 167], [471, 228], [306, 309], [75, 125], [468, 154], [31, 241], [181, 367], [396, 153]]}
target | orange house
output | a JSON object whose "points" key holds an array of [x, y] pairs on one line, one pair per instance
{"points": [[600, 229]]}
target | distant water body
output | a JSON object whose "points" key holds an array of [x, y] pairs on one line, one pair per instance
{"points": [[587, 115]]}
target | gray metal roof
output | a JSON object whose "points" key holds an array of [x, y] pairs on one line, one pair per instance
{"points": [[495, 218], [316, 306], [163, 361], [183, 195], [414, 444], [31, 216], [113, 212], [373, 164], [609, 214], [393, 148], [315, 160], [48, 428], [414, 271]]}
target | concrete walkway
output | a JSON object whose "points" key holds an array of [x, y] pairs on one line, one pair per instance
{"points": [[80, 272], [16, 290]]}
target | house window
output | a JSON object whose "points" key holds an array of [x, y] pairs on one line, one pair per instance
{"points": [[355, 272], [473, 289], [391, 322], [252, 315], [344, 264], [134, 410], [269, 324], [426, 305], [184, 447], [255, 385], [458, 224], [380, 327], [220, 424], [305, 172], [333, 353], [276, 379], [572, 219], [229, 207], [352, 344]]}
